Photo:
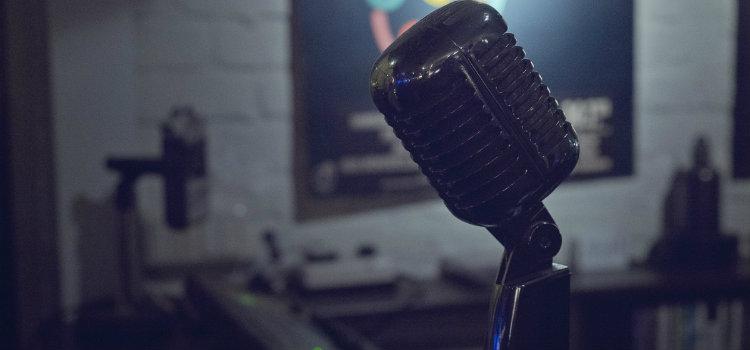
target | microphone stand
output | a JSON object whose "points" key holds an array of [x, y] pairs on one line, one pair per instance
{"points": [[530, 306], [134, 316]]}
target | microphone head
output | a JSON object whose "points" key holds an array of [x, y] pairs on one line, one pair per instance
{"points": [[474, 114]]}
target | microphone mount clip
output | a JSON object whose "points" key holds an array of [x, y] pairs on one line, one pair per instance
{"points": [[530, 303]]}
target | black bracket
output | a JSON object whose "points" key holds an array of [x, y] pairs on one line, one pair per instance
{"points": [[530, 305]]}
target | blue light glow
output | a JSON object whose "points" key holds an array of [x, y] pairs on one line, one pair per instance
{"points": [[498, 4], [386, 5]]}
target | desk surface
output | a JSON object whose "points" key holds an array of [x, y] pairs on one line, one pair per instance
{"points": [[427, 314], [406, 295], [646, 285]]}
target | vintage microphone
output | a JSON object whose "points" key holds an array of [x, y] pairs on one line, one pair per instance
{"points": [[483, 128]]}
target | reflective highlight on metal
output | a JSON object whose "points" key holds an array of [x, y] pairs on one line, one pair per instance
{"points": [[531, 313]]}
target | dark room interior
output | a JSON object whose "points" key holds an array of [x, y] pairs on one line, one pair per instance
{"points": [[375, 174]]}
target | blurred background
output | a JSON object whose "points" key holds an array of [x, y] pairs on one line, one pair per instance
{"points": [[217, 158]]}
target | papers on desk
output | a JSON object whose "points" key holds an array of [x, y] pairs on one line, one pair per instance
{"points": [[347, 274]]}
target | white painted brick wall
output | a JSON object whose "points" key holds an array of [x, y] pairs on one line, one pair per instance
{"points": [[119, 66], [230, 60], [262, 43], [174, 42], [214, 92], [238, 10]]}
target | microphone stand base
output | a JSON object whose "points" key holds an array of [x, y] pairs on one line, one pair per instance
{"points": [[531, 312]]}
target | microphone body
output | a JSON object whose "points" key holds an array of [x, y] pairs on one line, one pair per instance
{"points": [[475, 115], [483, 127]]}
